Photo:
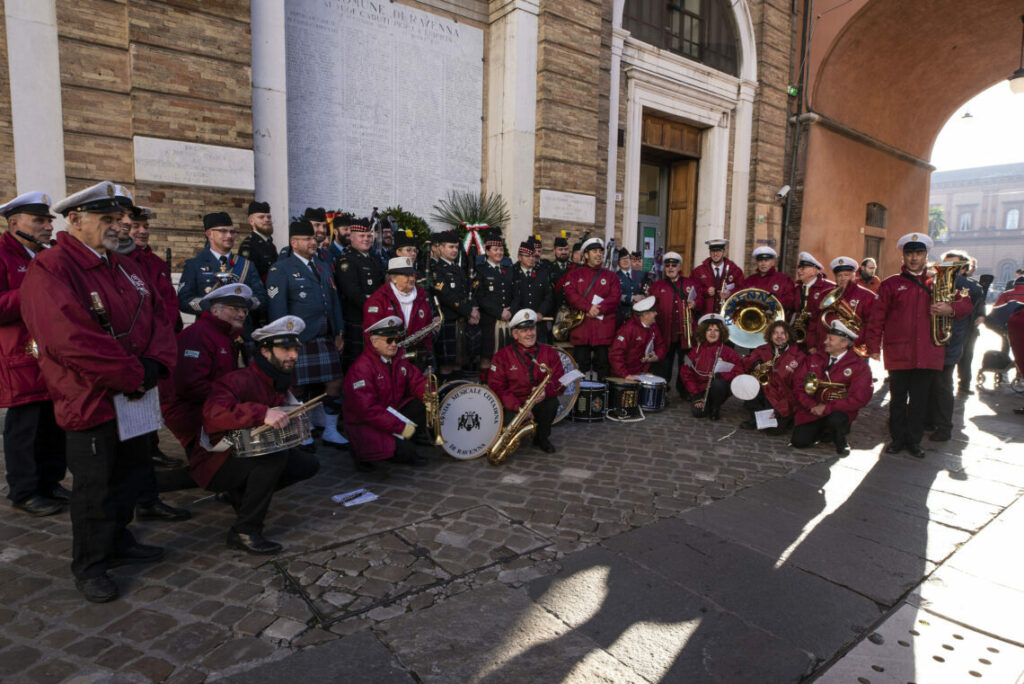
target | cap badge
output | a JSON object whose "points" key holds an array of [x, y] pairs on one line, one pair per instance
{"points": [[238, 290], [914, 237], [289, 326], [46, 198], [110, 190]]}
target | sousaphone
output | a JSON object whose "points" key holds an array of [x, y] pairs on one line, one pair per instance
{"points": [[748, 313]]}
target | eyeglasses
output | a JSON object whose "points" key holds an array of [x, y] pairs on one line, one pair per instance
{"points": [[391, 340]]}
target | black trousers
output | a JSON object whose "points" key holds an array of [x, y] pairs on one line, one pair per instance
{"points": [[34, 450], [908, 403], [251, 482], [667, 365], [716, 397], [807, 434], [592, 359], [940, 400], [543, 414], [148, 495], [108, 476], [416, 411], [963, 366]]}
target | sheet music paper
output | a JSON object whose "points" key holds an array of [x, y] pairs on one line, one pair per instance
{"points": [[724, 366], [570, 377], [138, 416], [765, 419], [400, 417], [596, 301]]}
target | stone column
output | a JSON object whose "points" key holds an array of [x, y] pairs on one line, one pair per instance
{"points": [[270, 111], [618, 38], [512, 110], [743, 122], [36, 116]]}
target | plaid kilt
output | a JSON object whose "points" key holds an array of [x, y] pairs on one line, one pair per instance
{"points": [[319, 360], [446, 342]]}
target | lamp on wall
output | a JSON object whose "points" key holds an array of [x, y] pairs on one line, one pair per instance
{"points": [[1017, 79]]}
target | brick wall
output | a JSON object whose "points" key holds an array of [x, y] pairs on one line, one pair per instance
{"points": [[8, 184]]}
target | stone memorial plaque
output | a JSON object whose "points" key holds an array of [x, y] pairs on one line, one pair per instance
{"points": [[567, 206], [185, 163], [384, 106]]}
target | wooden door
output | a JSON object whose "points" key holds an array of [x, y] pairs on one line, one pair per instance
{"points": [[682, 210]]}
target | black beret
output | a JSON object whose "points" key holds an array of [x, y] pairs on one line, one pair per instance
{"points": [[343, 219], [259, 207], [446, 237], [319, 214], [217, 219], [300, 228]]}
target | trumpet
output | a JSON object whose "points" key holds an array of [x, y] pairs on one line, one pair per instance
{"points": [[430, 402], [829, 390]]}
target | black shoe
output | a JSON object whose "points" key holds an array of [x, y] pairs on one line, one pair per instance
{"points": [[748, 425], [545, 445], [940, 436], [842, 448], [308, 448], [161, 511], [38, 506], [59, 493], [412, 458], [894, 448], [165, 462], [253, 543], [100, 589], [915, 450], [140, 553], [715, 415], [929, 427], [380, 470]]}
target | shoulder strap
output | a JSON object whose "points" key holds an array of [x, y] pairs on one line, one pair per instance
{"points": [[591, 286], [917, 282]]}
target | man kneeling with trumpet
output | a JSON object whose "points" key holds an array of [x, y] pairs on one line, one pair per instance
{"points": [[516, 371], [830, 387], [243, 405]]}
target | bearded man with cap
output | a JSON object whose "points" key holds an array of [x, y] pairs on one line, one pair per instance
{"points": [[630, 282], [300, 285], [900, 325], [594, 291], [676, 299], [258, 245], [379, 380], [717, 276], [342, 232], [454, 294], [33, 444], [711, 361], [811, 287], [866, 277], [638, 342], [245, 399], [783, 357], [401, 297], [101, 332], [830, 408], [215, 265], [766, 278], [358, 274], [515, 373], [531, 287], [317, 217], [492, 292]]}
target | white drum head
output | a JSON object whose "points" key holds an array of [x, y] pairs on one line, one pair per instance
{"points": [[567, 399], [470, 417], [745, 387], [650, 379]]}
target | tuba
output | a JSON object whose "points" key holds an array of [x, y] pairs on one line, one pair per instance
{"points": [[833, 306], [943, 290], [748, 313], [829, 390], [520, 427], [433, 410]]}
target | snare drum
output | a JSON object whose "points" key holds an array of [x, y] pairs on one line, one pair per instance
{"points": [[567, 399], [591, 403], [623, 399], [652, 392], [271, 441], [470, 416]]}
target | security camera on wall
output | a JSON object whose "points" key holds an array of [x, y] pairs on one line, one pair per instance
{"points": [[782, 193]]}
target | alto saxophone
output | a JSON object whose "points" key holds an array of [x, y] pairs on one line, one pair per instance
{"points": [[520, 427]]}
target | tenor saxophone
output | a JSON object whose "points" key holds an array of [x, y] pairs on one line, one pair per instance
{"points": [[521, 426]]}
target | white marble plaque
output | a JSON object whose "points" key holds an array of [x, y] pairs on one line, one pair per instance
{"points": [[567, 206], [384, 106], [185, 163]]}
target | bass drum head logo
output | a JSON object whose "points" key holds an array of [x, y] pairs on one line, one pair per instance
{"points": [[470, 416]]}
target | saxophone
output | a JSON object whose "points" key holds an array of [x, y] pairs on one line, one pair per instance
{"points": [[433, 410], [943, 291], [520, 427]]}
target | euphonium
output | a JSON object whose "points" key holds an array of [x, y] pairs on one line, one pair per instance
{"points": [[943, 289], [566, 319], [520, 427], [430, 403], [830, 390], [833, 304]]}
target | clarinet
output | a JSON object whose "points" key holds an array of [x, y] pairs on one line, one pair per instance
{"points": [[711, 377], [101, 313], [37, 243]]}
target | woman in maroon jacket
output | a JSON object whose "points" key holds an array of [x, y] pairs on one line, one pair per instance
{"points": [[704, 365], [785, 357], [638, 342]]}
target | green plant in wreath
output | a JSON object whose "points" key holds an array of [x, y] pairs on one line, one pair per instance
{"points": [[408, 221], [459, 207]]}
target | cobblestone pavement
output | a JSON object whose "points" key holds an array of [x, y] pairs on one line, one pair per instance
{"points": [[206, 611]]}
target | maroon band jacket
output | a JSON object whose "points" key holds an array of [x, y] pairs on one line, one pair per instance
{"points": [[851, 370], [820, 287], [727, 284], [20, 380], [514, 375], [383, 303], [779, 390], [670, 300], [369, 388], [779, 285], [631, 341], [158, 275], [698, 367], [593, 332]]}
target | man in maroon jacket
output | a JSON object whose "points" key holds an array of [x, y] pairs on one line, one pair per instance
{"points": [[831, 408], [766, 278], [33, 444], [515, 372], [594, 291], [676, 300], [245, 399], [638, 342], [858, 298], [811, 287], [101, 333], [900, 324], [717, 276]]}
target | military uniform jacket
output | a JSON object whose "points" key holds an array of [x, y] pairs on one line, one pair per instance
{"points": [[199, 277], [631, 341], [532, 290], [261, 251], [630, 283], [451, 287], [357, 276], [298, 290], [851, 370], [493, 291]]}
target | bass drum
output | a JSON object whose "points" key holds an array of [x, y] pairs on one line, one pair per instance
{"points": [[470, 416], [567, 399]]}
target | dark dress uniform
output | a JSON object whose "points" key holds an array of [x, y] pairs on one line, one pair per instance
{"points": [[630, 283], [850, 370], [533, 290], [261, 251], [451, 287], [199, 277], [492, 292], [357, 275]]}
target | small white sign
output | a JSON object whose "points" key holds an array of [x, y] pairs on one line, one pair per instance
{"points": [[185, 163], [567, 206]]}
